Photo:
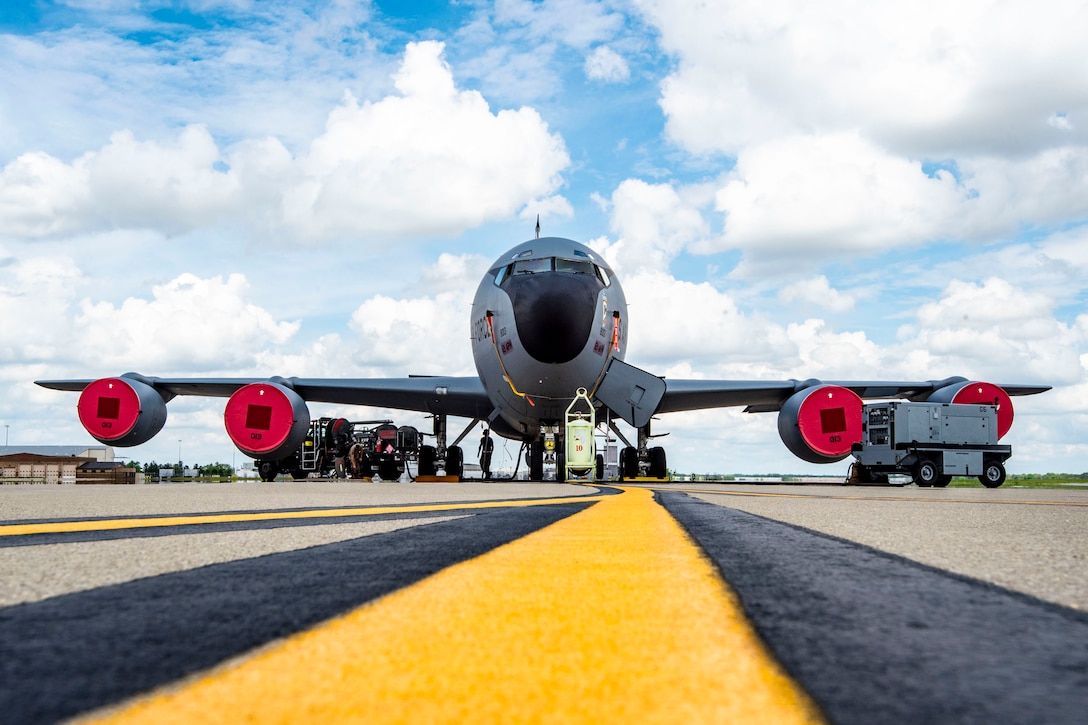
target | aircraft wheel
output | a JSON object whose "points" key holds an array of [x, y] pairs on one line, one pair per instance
{"points": [[925, 473], [536, 461], [427, 457], [629, 463], [993, 474], [455, 461], [658, 467]]}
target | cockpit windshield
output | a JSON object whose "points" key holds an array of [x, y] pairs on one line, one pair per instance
{"points": [[551, 264], [532, 266]]}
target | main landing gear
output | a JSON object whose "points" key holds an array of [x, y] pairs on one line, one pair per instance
{"points": [[440, 460], [643, 460]]}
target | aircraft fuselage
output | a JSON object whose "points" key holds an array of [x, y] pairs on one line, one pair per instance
{"points": [[547, 318]]}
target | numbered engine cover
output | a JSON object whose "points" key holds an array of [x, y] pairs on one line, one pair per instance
{"points": [[266, 420], [821, 423], [121, 411]]}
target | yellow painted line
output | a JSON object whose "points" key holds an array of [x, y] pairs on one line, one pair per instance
{"points": [[874, 498], [62, 527], [610, 615]]}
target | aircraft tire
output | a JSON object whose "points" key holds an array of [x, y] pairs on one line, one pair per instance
{"points": [[455, 461], [536, 461], [629, 463], [427, 457], [658, 466]]}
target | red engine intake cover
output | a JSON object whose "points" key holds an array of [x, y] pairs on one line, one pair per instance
{"points": [[266, 420], [121, 411], [976, 393], [821, 423], [108, 408]]}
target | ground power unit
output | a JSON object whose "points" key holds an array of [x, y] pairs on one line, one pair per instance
{"points": [[931, 442]]}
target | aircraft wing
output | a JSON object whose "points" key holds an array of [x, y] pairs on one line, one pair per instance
{"points": [[459, 397], [769, 396]]}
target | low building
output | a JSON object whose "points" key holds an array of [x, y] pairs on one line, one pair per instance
{"points": [[107, 472], [63, 464], [34, 468]]}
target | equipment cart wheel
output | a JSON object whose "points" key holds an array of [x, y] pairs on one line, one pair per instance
{"points": [[993, 474], [268, 470], [926, 473], [387, 470]]}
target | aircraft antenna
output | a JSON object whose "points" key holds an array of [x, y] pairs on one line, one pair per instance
{"points": [[538, 226]]}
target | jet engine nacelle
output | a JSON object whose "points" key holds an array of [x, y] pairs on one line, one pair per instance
{"points": [[978, 393], [121, 411], [819, 424], [267, 420]]}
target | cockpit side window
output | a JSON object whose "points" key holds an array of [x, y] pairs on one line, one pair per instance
{"points": [[500, 276], [602, 275], [573, 266]]}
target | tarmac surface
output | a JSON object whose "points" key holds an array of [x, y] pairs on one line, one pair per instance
{"points": [[345, 600]]}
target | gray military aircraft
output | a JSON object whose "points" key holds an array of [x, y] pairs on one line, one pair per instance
{"points": [[549, 317]]}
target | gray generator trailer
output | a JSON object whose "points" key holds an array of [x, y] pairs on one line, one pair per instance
{"points": [[931, 442]]}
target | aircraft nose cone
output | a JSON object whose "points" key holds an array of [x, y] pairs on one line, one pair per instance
{"points": [[554, 313]]}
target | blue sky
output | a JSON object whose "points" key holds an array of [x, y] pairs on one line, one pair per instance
{"points": [[787, 190]]}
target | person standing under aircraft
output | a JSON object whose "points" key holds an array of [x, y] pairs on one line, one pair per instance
{"points": [[487, 446]]}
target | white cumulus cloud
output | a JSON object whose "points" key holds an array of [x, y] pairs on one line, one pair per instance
{"points": [[605, 64], [189, 322], [816, 292], [429, 158]]}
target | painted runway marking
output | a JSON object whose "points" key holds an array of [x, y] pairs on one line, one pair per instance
{"points": [[58, 527], [611, 614]]}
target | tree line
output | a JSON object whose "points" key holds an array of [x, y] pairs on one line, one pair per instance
{"points": [[211, 470]]}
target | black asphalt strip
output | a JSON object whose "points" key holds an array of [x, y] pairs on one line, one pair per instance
{"points": [[876, 638], [70, 654]]}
